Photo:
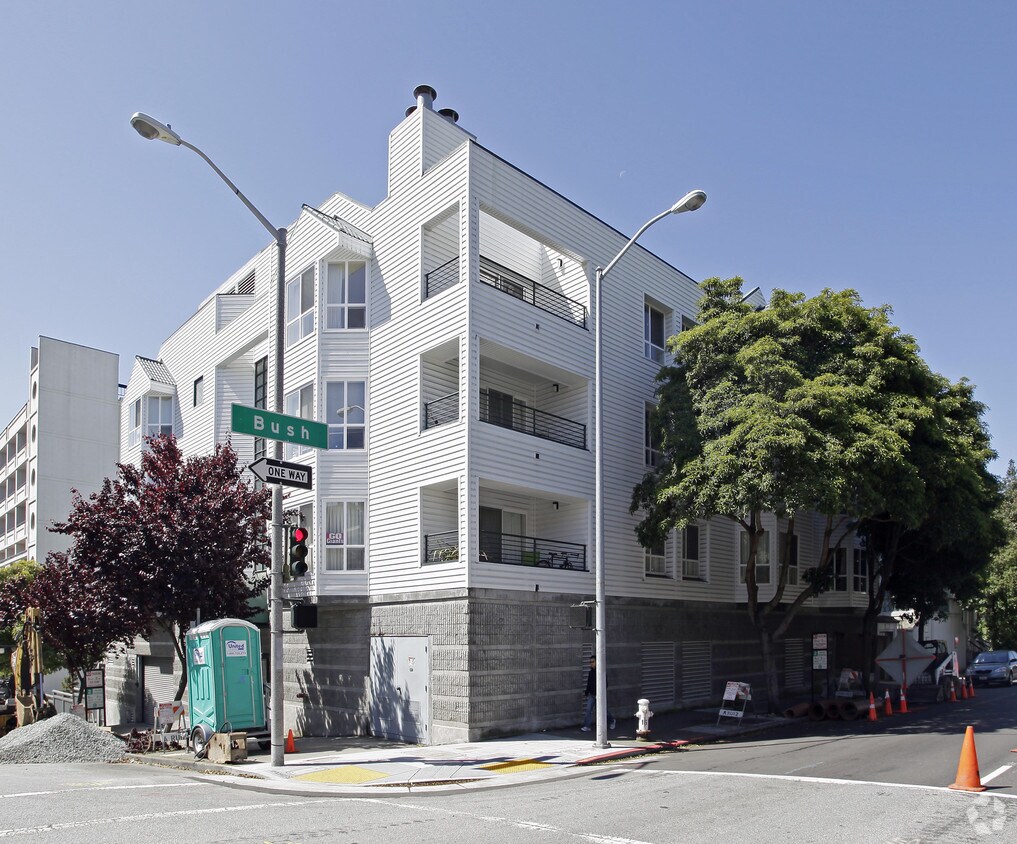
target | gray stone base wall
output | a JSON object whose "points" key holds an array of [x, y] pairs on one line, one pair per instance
{"points": [[504, 663]]}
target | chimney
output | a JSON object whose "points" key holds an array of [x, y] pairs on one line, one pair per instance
{"points": [[425, 96]]}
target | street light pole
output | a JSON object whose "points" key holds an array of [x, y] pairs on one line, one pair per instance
{"points": [[690, 202], [153, 130]]}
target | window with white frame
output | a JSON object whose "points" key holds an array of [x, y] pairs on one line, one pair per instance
{"points": [[299, 403], [345, 413], [300, 306], [840, 573], [861, 572], [199, 390], [134, 435], [651, 438], [791, 555], [762, 557], [346, 295], [344, 536], [692, 564], [160, 416], [654, 331], [656, 560]]}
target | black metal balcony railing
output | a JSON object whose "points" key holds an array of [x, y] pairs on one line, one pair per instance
{"points": [[441, 547], [440, 411], [511, 549], [529, 420], [533, 292], [441, 277]]}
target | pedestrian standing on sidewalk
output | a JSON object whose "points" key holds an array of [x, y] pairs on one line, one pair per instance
{"points": [[591, 699]]}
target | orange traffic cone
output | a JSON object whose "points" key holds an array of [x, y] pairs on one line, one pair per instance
{"points": [[953, 693], [971, 687], [291, 746], [872, 707], [887, 704], [964, 690], [903, 701], [968, 778]]}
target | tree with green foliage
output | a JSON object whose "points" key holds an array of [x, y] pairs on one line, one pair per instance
{"points": [[997, 603], [170, 540], [921, 565], [808, 405]]}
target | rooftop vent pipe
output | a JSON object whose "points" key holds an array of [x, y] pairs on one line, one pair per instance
{"points": [[449, 114]]}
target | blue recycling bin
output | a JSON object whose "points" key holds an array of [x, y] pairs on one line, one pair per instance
{"points": [[224, 679]]}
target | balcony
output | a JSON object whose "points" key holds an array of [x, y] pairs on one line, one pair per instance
{"points": [[441, 411], [514, 550], [441, 547], [441, 278], [501, 409], [536, 294]]}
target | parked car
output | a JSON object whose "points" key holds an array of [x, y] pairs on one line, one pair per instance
{"points": [[994, 667]]}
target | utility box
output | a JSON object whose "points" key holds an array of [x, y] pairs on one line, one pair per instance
{"points": [[224, 682]]}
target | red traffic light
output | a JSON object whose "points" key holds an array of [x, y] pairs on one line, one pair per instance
{"points": [[299, 534]]}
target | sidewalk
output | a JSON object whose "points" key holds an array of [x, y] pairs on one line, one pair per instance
{"points": [[366, 765]]}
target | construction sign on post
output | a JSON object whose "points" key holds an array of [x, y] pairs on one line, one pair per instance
{"points": [[735, 694]]}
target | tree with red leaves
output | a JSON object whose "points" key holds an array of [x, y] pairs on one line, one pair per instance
{"points": [[163, 544]]}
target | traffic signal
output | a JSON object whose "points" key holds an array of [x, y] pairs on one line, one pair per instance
{"points": [[298, 551]]}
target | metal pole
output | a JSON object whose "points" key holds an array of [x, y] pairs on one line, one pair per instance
{"points": [[599, 576], [151, 129], [275, 594], [599, 563]]}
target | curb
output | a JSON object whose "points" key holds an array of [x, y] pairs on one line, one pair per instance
{"points": [[641, 750]]}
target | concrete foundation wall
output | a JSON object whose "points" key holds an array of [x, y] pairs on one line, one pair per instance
{"points": [[503, 663]]}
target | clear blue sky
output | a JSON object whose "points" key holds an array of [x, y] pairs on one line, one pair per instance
{"points": [[866, 144]]}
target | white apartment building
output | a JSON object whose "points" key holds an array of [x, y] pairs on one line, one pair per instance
{"points": [[65, 437], [445, 337]]}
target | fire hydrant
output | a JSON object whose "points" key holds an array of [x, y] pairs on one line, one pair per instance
{"points": [[643, 715]]}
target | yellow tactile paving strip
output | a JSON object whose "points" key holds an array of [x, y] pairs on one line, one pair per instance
{"points": [[348, 774], [516, 766]]}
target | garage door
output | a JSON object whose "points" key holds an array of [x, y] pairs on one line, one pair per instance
{"points": [[159, 685]]}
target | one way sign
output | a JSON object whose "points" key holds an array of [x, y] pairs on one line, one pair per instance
{"points": [[278, 472]]}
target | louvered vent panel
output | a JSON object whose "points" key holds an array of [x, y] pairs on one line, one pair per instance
{"points": [[697, 670], [658, 674]]}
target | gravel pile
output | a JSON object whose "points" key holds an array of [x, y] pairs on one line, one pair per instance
{"points": [[62, 738]]}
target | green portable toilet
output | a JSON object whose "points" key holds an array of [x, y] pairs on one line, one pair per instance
{"points": [[224, 679]]}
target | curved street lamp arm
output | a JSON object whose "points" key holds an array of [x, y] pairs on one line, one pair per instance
{"points": [[279, 235]]}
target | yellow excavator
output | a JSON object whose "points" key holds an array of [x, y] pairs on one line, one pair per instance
{"points": [[27, 667]]}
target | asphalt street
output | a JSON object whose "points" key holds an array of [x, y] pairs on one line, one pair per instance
{"points": [[824, 782]]}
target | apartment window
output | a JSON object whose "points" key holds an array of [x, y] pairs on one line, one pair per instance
{"points": [[300, 307], [861, 572], [692, 568], [792, 557], [762, 557], [654, 332], [688, 323], [344, 412], [299, 403], [199, 390], [134, 437], [344, 536], [840, 577], [346, 295], [651, 438], [656, 560], [160, 416], [261, 402]]}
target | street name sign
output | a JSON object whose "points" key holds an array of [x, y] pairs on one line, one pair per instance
{"points": [[278, 472], [276, 426]]}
